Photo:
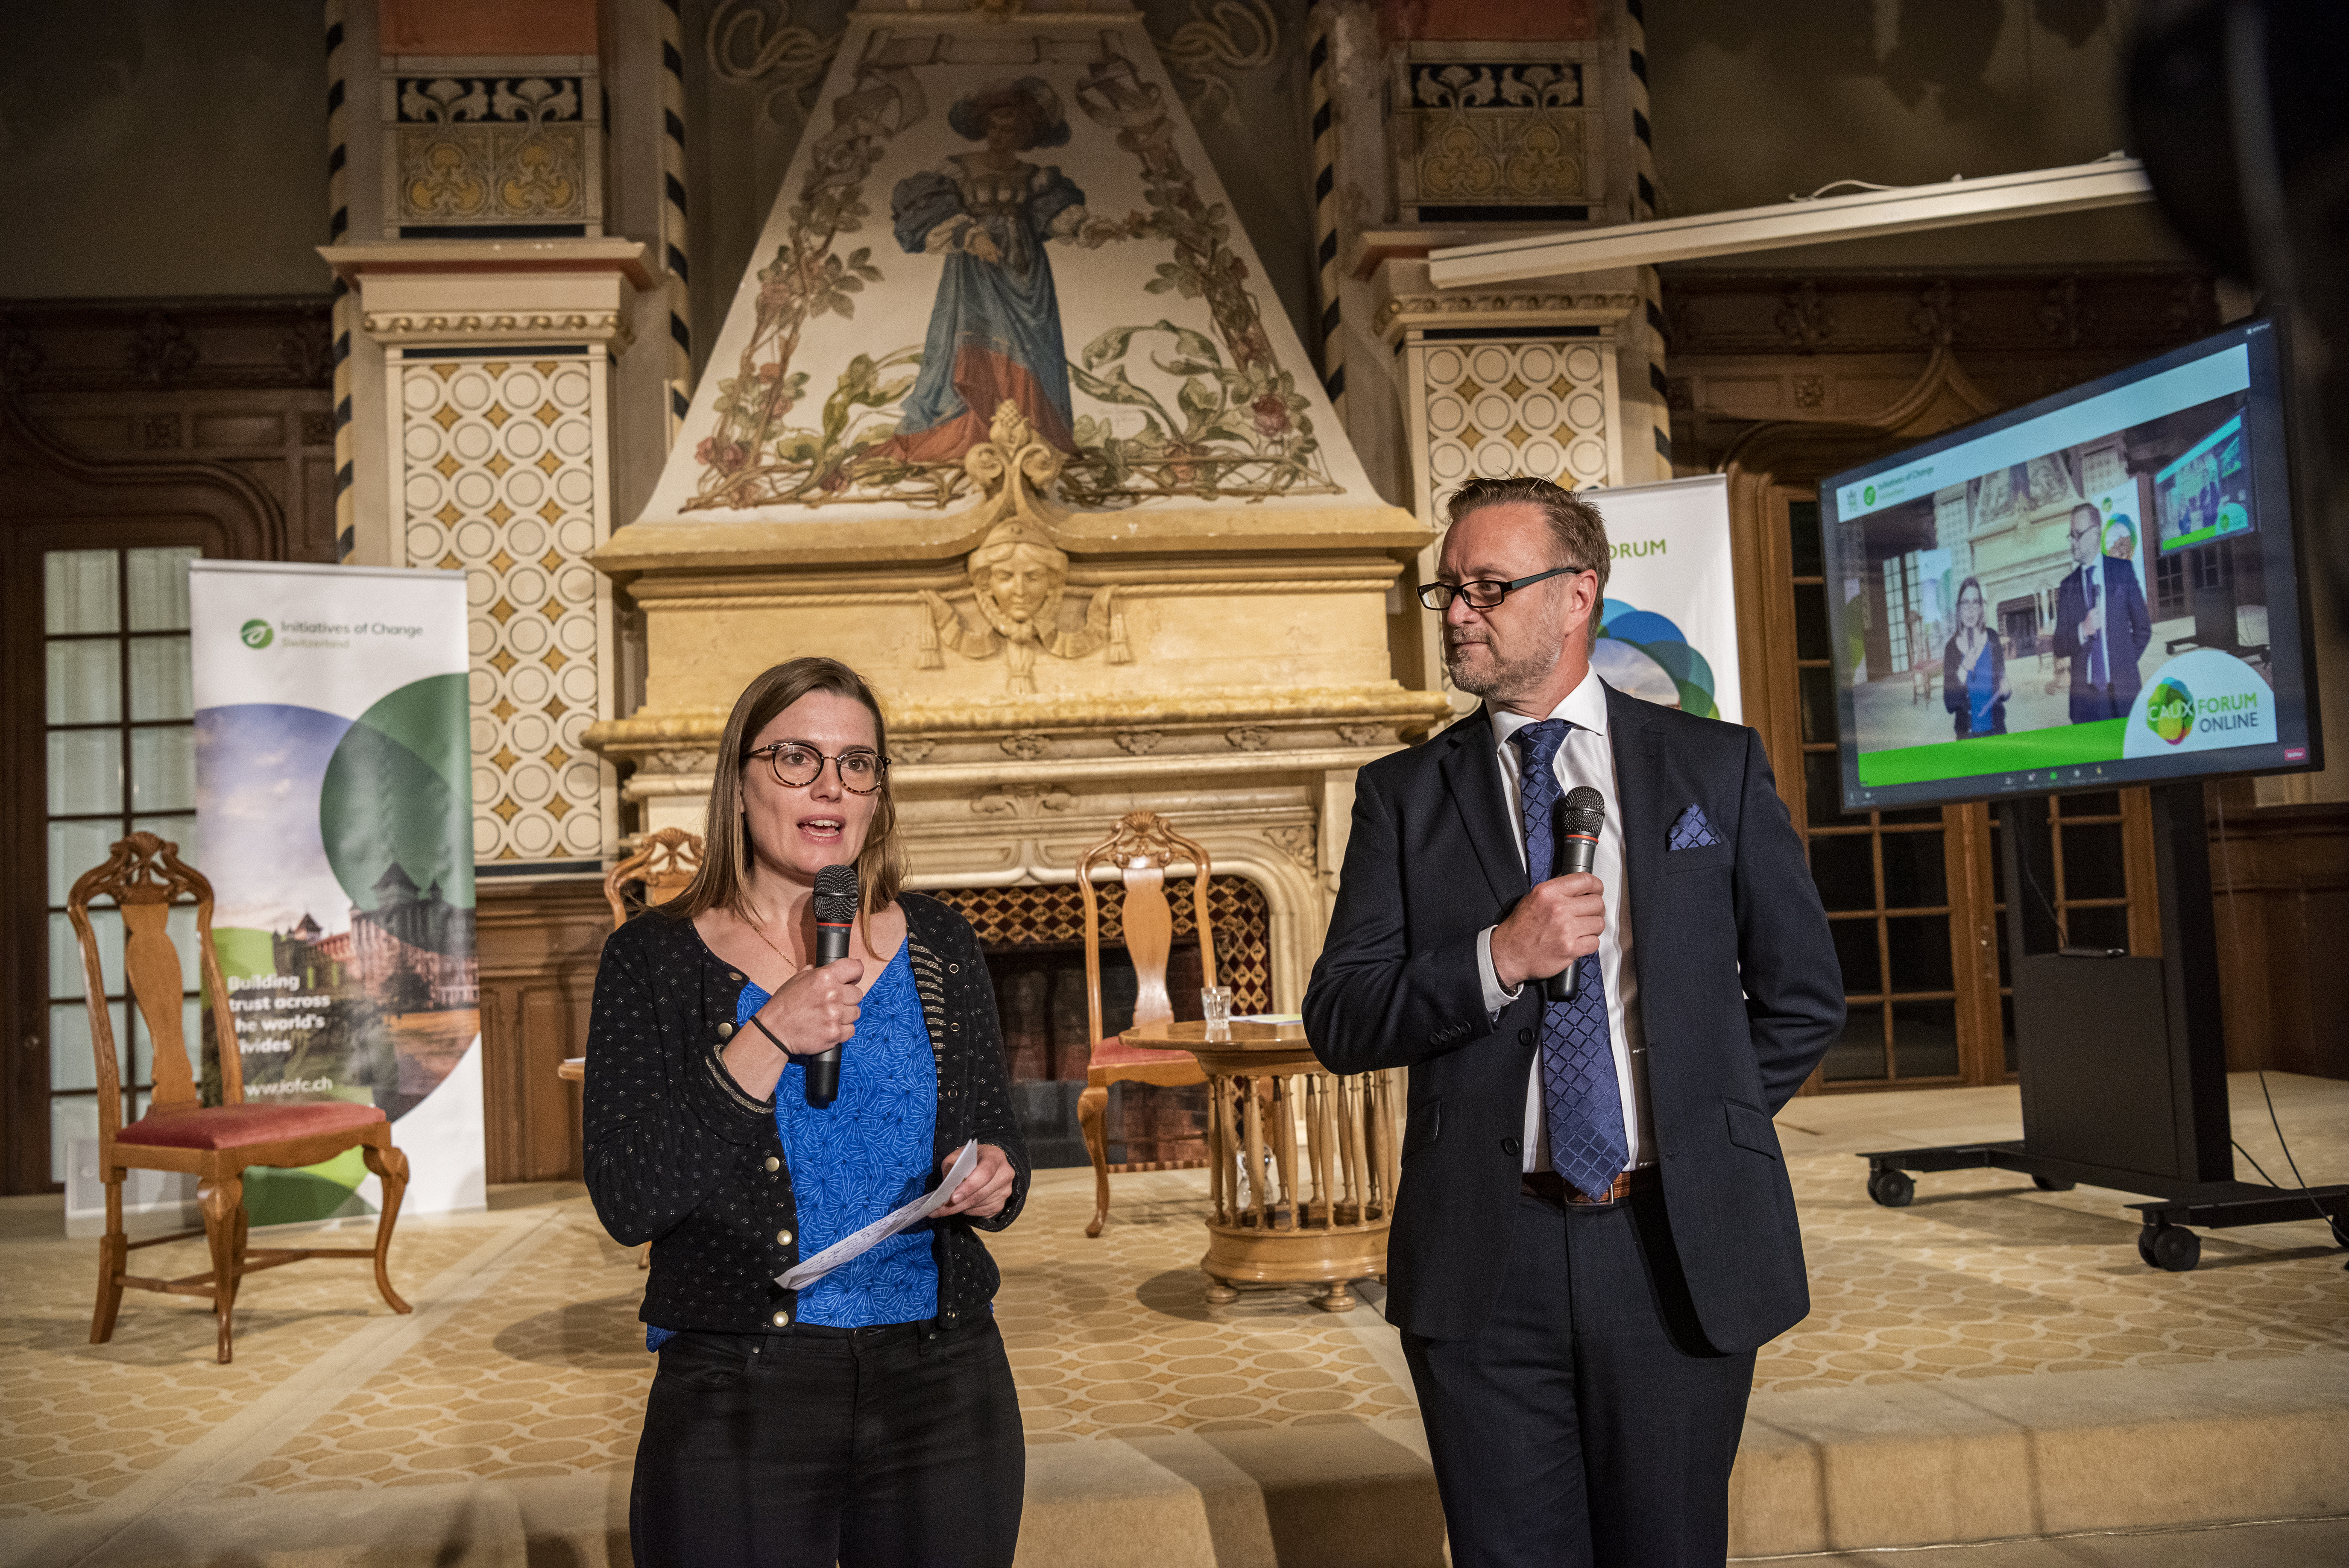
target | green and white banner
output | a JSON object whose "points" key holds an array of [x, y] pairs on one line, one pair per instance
{"points": [[334, 789], [1668, 632]]}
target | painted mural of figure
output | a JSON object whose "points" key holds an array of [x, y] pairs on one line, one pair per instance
{"points": [[995, 331]]}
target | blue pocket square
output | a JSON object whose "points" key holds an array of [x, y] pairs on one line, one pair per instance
{"points": [[1690, 830]]}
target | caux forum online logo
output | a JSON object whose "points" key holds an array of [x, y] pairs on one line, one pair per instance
{"points": [[2201, 700], [2169, 711]]}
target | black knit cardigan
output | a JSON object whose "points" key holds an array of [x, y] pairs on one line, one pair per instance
{"points": [[678, 1155]]}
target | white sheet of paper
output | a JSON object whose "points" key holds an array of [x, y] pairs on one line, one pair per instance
{"points": [[810, 1269]]}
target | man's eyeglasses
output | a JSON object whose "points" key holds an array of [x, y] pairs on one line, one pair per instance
{"points": [[1485, 593], [796, 765]]}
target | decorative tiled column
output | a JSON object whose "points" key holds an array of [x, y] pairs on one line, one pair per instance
{"points": [[498, 359], [1501, 385]]}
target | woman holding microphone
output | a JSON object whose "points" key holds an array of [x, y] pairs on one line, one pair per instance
{"points": [[1973, 669], [867, 1418]]}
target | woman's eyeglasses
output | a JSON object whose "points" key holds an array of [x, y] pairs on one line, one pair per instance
{"points": [[796, 765]]}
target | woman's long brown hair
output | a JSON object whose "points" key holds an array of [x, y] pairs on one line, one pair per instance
{"points": [[724, 880]]}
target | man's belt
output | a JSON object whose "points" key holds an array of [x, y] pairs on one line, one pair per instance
{"points": [[1554, 1190]]}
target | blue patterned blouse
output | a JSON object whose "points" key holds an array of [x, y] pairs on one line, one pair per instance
{"points": [[867, 1153]]}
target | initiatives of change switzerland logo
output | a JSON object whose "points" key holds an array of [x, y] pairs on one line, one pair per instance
{"points": [[256, 634], [2201, 700]]}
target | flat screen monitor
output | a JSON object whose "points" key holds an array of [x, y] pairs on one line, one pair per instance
{"points": [[2206, 494], [2099, 589]]}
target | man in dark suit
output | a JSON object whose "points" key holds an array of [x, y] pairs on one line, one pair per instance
{"points": [[1595, 1229], [2100, 624]]}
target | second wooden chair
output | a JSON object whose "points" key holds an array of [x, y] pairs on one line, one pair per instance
{"points": [[664, 860], [1141, 849]]}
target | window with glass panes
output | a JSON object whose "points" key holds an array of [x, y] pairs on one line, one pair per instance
{"points": [[1899, 599], [119, 733], [1883, 876]]}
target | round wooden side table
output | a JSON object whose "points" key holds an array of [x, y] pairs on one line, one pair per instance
{"points": [[1302, 1163]]}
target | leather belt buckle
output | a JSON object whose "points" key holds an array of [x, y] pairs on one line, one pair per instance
{"points": [[1617, 1190], [1548, 1187]]}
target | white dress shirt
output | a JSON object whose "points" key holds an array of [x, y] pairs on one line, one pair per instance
{"points": [[1584, 758]]}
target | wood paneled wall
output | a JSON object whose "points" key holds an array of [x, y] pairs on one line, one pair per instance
{"points": [[2282, 882], [538, 945]]}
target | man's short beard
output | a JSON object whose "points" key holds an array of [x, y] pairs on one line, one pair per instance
{"points": [[1502, 677]]}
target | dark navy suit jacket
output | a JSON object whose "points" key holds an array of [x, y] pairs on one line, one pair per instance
{"points": [[2128, 627], [1740, 993]]}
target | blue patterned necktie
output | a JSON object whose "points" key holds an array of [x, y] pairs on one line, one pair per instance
{"points": [[2097, 674], [1579, 1095]]}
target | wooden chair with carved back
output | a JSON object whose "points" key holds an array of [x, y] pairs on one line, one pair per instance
{"points": [[144, 875], [1141, 849], [664, 861]]}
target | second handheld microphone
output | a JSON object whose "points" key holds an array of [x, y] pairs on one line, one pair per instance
{"points": [[1581, 816], [836, 916]]}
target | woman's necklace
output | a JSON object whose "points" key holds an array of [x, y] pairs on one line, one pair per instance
{"points": [[759, 929]]}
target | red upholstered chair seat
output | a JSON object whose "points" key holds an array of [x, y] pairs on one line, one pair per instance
{"points": [[237, 1127], [1113, 1052]]}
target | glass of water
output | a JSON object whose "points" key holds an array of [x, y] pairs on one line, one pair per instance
{"points": [[1215, 1006]]}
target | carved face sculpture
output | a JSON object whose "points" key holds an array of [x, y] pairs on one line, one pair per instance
{"points": [[1018, 584]]}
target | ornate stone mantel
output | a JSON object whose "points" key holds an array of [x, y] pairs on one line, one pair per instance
{"points": [[1163, 584], [1237, 693]]}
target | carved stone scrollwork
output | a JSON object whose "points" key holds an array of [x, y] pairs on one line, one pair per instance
{"points": [[1139, 743], [1249, 738], [1028, 746], [1021, 800], [1362, 734], [690, 760], [1298, 844], [1019, 575], [914, 751], [504, 326]]}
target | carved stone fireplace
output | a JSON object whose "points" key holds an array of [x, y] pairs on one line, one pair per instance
{"points": [[1162, 585]]}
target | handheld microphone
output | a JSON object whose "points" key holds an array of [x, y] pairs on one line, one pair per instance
{"points": [[1580, 816], [835, 915]]}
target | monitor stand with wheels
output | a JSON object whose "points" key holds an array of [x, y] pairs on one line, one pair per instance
{"points": [[2124, 1060]]}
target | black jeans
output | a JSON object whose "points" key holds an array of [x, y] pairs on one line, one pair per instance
{"points": [[871, 1449], [1589, 1423]]}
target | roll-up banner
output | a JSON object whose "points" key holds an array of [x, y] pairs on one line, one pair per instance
{"points": [[1668, 632], [334, 802]]}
